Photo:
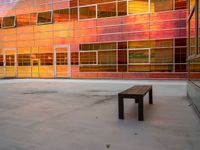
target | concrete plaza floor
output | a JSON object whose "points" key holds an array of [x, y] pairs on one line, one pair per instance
{"points": [[82, 115]]}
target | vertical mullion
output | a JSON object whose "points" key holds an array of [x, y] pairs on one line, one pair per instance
{"points": [[197, 25]]}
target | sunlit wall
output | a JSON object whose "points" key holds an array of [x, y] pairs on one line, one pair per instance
{"points": [[93, 39]]}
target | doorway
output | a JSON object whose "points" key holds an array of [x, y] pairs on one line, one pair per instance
{"points": [[10, 63], [62, 61]]}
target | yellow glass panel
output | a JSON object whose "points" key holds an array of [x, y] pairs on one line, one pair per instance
{"points": [[46, 71], [23, 71], [138, 6], [35, 71], [34, 49], [10, 71], [24, 50], [1, 72]]}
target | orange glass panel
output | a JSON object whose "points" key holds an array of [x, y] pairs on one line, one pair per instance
{"points": [[73, 14], [61, 15], [23, 20], [87, 12], [61, 71], [103, 10], [43, 35], [180, 4], [122, 8], [161, 5], [138, 68]]}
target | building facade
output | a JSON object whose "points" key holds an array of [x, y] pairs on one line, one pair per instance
{"points": [[194, 52], [94, 39]]}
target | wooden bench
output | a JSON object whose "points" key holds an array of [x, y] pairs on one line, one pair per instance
{"points": [[137, 92]]}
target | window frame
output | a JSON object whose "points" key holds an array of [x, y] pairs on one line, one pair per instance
{"points": [[96, 16], [52, 17], [8, 26]]}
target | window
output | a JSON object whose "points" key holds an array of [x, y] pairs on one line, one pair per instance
{"points": [[46, 59], [138, 6], [88, 58], [107, 57], [1, 60], [106, 10], [10, 60], [24, 59], [139, 56], [61, 59], [44, 17], [161, 5], [61, 15], [87, 12], [162, 55], [8, 22]]}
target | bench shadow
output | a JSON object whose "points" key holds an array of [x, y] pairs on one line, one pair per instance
{"points": [[131, 109]]}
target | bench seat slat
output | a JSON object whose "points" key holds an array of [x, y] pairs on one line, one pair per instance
{"points": [[139, 90]]}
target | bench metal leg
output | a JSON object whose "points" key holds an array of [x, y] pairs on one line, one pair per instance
{"points": [[121, 107], [151, 96], [140, 110]]}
